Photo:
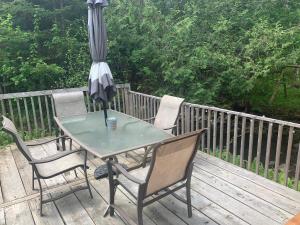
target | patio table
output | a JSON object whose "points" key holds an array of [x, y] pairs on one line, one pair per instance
{"points": [[90, 132]]}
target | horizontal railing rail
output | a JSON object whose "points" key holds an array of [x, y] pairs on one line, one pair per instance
{"points": [[33, 112], [267, 146]]}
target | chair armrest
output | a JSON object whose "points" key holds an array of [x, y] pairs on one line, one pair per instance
{"points": [[149, 119], [55, 157], [169, 128], [126, 174], [48, 141]]}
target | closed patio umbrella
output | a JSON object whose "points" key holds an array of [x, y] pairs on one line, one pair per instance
{"points": [[101, 85]]}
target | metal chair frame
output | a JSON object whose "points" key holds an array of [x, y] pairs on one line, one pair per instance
{"points": [[142, 199], [34, 162]]}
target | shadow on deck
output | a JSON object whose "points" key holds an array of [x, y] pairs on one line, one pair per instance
{"points": [[221, 194]]}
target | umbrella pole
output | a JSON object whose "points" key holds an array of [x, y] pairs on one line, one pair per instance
{"points": [[105, 112]]}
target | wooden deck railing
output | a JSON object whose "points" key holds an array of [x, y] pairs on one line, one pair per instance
{"points": [[253, 142], [266, 146], [33, 112]]}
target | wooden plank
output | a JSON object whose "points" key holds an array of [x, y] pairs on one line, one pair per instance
{"points": [[192, 119], [27, 115], [50, 213], [50, 92], [268, 149], [20, 115], [11, 184], [3, 107], [259, 143], [208, 130], [235, 134], [18, 214], [41, 114], [118, 98], [34, 113], [202, 127], [215, 133], [250, 150], [197, 118], [212, 210], [278, 152], [96, 207], [278, 199], [1, 196], [297, 173], [48, 114], [242, 142], [288, 154], [182, 119], [11, 112], [228, 136], [237, 208], [187, 115], [180, 209], [252, 177], [2, 217], [72, 211], [267, 209], [221, 144]]}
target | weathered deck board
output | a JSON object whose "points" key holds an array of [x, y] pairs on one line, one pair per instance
{"points": [[96, 207], [221, 194], [248, 199], [72, 211], [18, 214], [51, 214], [250, 187], [269, 184], [2, 217], [11, 184]]}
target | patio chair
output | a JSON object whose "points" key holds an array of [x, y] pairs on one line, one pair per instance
{"points": [[68, 104], [167, 113], [170, 170], [49, 166], [166, 117]]}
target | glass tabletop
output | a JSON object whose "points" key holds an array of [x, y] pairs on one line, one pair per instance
{"points": [[91, 133]]}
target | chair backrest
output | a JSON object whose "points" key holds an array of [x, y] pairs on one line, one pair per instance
{"points": [[171, 160], [69, 104], [9, 127], [167, 113]]}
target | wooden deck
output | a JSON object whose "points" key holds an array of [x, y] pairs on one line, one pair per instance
{"points": [[221, 194]]}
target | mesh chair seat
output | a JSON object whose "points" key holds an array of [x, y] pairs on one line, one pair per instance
{"points": [[63, 164]]}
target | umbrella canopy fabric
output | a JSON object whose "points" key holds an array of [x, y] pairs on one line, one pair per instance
{"points": [[101, 85]]}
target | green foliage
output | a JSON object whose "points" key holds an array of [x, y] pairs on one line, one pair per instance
{"points": [[210, 52]]}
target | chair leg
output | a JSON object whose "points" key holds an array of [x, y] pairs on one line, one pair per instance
{"points": [[71, 142], [76, 173], [33, 179], [188, 199], [41, 197], [140, 212], [57, 140], [88, 183]]}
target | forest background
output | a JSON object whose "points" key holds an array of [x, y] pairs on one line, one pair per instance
{"points": [[235, 54]]}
